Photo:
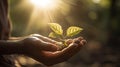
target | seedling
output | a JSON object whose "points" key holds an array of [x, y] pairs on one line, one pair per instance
{"points": [[58, 33]]}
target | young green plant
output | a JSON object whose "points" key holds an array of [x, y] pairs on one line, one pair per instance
{"points": [[57, 32]]}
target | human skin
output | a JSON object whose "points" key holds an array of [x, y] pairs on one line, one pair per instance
{"points": [[42, 49], [38, 47]]}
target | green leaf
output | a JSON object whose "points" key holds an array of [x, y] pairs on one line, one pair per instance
{"points": [[73, 30], [56, 28], [65, 43], [53, 35]]}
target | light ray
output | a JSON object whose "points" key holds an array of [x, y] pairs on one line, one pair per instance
{"points": [[43, 13]]}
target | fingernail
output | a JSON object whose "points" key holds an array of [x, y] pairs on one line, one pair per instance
{"points": [[83, 42], [80, 38]]}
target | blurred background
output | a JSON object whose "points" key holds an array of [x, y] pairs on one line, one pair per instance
{"points": [[100, 20]]}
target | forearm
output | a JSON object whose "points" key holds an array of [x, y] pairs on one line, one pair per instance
{"points": [[10, 47], [16, 38]]}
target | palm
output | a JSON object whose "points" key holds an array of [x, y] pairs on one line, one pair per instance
{"points": [[46, 52]]}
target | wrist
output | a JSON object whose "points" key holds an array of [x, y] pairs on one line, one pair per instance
{"points": [[19, 48], [10, 47]]}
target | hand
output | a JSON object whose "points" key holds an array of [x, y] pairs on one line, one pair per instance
{"points": [[32, 44], [46, 51]]}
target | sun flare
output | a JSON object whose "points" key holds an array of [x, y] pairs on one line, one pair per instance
{"points": [[44, 3], [44, 12]]}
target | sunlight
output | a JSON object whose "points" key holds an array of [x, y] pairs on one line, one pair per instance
{"points": [[96, 1], [46, 4], [44, 12]]}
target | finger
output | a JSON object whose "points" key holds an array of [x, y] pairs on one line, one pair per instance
{"points": [[83, 42], [80, 40], [72, 49], [59, 56], [69, 41], [44, 38]]}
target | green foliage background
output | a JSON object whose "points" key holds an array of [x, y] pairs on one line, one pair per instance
{"points": [[100, 22]]}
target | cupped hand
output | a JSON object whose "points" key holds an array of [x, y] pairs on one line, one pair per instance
{"points": [[33, 44], [46, 51]]}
